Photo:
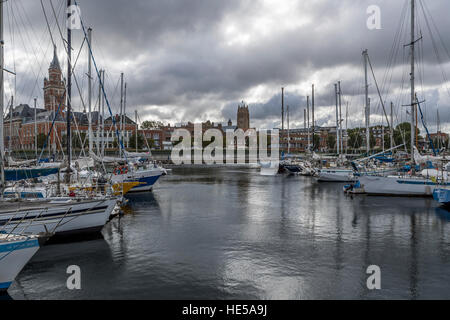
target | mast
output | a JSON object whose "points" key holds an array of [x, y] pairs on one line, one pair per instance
{"points": [[346, 128], [98, 115], [438, 129], [282, 110], [304, 118], [121, 111], [35, 130], [124, 122], [367, 109], [341, 136], [289, 140], [392, 125], [10, 124], [413, 104], [90, 90], [2, 141], [313, 123], [307, 115], [137, 128], [53, 130], [69, 90], [103, 115], [337, 119]]}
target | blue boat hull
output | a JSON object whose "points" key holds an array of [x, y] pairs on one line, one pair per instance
{"points": [[442, 196], [28, 173], [145, 184]]}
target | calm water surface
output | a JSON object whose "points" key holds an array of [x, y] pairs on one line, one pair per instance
{"points": [[232, 234]]}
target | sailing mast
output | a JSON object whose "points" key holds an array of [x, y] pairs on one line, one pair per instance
{"points": [[337, 119], [307, 115], [69, 89], [289, 139], [2, 141], [35, 131], [367, 109], [413, 104], [103, 114], [346, 128], [282, 110], [392, 125], [341, 134], [10, 124], [313, 123], [137, 129], [121, 111], [124, 122], [98, 116], [90, 92]]}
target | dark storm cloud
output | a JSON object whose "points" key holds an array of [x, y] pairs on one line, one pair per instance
{"points": [[178, 63]]}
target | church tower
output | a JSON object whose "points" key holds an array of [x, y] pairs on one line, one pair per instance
{"points": [[54, 89], [243, 117]]}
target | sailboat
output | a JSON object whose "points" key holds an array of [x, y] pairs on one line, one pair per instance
{"points": [[15, 252], [63, 214], [404, 185]]}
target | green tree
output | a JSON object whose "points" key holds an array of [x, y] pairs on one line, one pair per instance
{"points": [[140, 141], [354, 139], [41, 137], [331, 142], [151, 124], [372, 141], [76, 142], [151, 143], [387, 141], [316, 141], [402, 134]]}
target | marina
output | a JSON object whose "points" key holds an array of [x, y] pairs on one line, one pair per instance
{"points": [[233, 234], [346, 196]]}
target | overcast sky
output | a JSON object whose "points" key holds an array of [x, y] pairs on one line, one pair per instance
{"points": [[197, 59]]}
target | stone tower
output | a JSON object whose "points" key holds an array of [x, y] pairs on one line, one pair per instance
{"points": [[243, 117], [54, 89]]}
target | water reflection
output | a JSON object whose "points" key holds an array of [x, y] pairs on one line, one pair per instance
{"points": [[443, 214], [232, 234], [45, 275]]}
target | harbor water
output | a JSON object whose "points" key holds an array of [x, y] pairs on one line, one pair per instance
{"points": [[223, 233]]}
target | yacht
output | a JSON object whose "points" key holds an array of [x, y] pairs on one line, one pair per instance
{"points": [[15, 252]]}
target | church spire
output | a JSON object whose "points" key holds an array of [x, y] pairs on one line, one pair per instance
{"points": [[55, 62]]}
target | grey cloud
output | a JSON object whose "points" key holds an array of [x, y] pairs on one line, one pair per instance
{"points": [[184, 69]]}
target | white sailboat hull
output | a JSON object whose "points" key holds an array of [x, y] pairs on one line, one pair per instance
{"points": [[269, 168], [335, 176], [14, 255], [397, 186], [62, 219]]}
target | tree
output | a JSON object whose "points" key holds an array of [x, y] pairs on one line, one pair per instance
{"points": [[151, 124], [354, 139], [331, 142], [402, 134], [372, 141], [387, 141], [316, 140], [140, 141], [41, 137], [151, 143], [76, 143]]}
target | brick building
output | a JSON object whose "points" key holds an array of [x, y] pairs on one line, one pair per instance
{"points": [[20, 122]]}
